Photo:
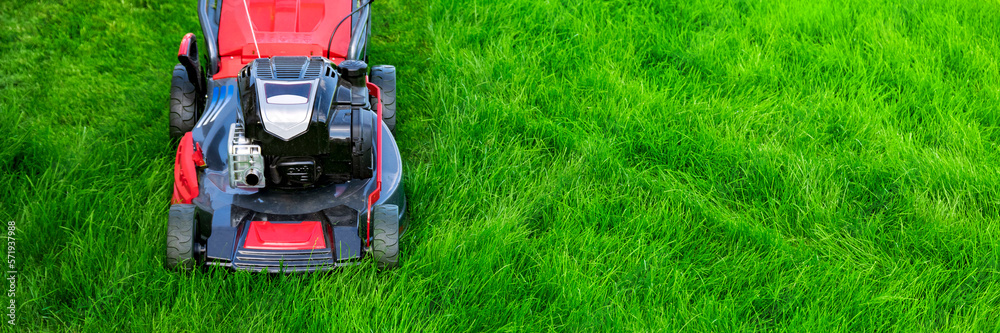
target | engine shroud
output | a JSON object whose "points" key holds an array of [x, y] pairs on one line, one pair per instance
{"points": [[314, 127]]}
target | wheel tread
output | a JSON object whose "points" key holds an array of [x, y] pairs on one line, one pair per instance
{"points": [[385, 245], [180, 237], [384, 76], [183, 103]]}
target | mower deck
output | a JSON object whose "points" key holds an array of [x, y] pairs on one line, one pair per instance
{"points": [[231, 210]]}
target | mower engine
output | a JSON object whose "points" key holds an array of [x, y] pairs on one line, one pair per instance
{"points": [[304, 122]]}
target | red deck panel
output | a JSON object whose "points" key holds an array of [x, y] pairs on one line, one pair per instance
{"points": [[306, 235]]}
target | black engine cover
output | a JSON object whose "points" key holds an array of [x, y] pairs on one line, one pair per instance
{"points": [[313, 126]]}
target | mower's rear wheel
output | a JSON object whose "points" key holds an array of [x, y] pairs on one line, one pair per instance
{"points": [[385, 242], [183, 103], [180, 237], [384, 76]]}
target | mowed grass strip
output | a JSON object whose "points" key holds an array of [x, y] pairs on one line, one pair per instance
{"points": [[603, 166]]}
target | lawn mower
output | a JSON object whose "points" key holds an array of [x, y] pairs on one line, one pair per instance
{"points": [[286, 160]]}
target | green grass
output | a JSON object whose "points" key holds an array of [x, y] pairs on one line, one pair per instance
{"points": [[605, 166]]}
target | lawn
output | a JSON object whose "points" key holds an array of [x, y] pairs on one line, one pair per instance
{"points": [[691, 165]]}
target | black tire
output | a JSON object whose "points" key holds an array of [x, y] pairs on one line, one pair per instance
{"points": [[180, 237], [384, 76], [183, 103], [385, 242]]}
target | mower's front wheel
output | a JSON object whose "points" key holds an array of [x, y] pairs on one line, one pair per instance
{"points": [[384, 76], [180, 237], [183, 103], [385, 242]]}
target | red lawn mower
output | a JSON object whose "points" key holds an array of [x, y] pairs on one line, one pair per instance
{"points": [[286, 161]]}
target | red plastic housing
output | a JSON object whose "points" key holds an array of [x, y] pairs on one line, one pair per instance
{"points": [[306, 235], [375, 91], [282, 28], [188, 158], [185, 44]]}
